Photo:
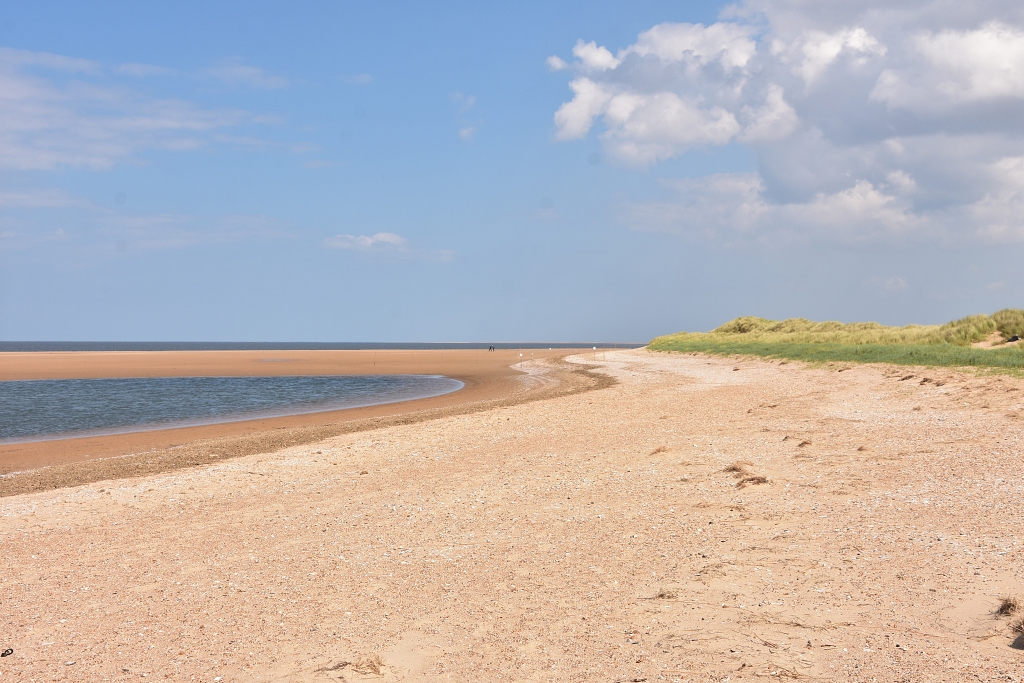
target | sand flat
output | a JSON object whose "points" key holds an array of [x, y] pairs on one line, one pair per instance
{"points": [[605, 535]]}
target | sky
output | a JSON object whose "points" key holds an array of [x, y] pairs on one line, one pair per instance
{"points": [[534, 171]]}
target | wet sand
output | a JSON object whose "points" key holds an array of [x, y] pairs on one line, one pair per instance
{"points": [[701, 519], [488, 376]]}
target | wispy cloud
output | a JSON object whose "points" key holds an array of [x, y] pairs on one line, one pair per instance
{"points": [[144, 70], [380, 240], [148, 232], [463, 103], [27, 217], [26, 58], [389, 246], [40, 199], [56, 114], [234, 71]]}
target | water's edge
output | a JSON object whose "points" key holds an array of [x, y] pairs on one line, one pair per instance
{"points": [[58, 396]]}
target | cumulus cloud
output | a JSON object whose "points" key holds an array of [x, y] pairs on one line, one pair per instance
{"points": [[647, 116], [949, 68], [869, 121], [814, 52]]}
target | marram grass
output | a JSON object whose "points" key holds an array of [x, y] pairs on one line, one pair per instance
{"points": [[798, 339]]}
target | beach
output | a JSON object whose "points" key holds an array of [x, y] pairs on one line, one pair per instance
{"points": [[609, 516]]}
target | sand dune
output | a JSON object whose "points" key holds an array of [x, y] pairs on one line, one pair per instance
{"points": [[600, 536]]}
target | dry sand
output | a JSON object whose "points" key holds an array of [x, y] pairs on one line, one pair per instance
{"points": [[597, 536]]}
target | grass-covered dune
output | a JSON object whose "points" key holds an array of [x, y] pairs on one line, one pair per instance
{"points": [[799, 339]]}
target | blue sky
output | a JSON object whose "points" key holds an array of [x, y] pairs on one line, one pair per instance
{"points": [[468, 172]]}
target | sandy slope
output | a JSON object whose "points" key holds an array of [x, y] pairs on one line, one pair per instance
{"points": [[589, 537]]}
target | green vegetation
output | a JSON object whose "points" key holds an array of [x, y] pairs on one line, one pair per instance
{"points": [[799, 339]]}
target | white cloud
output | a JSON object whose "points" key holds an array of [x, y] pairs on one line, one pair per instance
{"points": [[647, 120], [466, 134], [729, 44], [388, 246], [956, 67], [869, 121], [365, 242], [775, 119], [815, 51], [556, 63], [593, 57], [55, 115], [574, 118], [643, 129], [234, 71]]}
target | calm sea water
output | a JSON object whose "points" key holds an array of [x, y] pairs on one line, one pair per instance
{"points": [[37, 409], [51, 346]]}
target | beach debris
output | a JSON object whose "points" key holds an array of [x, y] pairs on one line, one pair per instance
{"points": [[7, 653], [365, 666], [1008, 606], [364, 472], [71, 663]]}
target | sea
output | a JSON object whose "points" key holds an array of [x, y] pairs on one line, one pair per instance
{"points": [[37, 410]]}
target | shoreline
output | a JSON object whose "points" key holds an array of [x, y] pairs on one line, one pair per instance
{"points": [[224, 418], [489, 378]]}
